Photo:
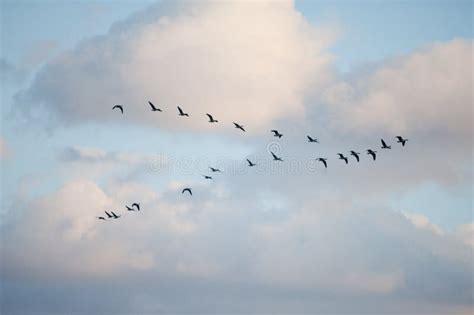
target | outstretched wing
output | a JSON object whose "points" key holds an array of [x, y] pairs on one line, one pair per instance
{"points": [[119, 107], [383, 143]]}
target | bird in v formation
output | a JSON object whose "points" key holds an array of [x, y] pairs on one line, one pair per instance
{"points": [[276, 133]]}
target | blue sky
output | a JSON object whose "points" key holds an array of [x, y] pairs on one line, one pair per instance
{"points": [[350, 65]]}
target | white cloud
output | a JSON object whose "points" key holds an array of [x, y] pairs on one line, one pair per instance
{"points": [[242, 61], [93, 163], [422, 222], [428, 91], [465, 233]]}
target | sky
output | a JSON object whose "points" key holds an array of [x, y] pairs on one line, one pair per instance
{"points": [[393, 235]]}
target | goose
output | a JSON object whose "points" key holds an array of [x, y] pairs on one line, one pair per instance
{"points": [[181, 113], [187, 190], [119, 107], [153, 108], [384, 145], [401, 140], [342, 157], [211, 119], [276, 133]]}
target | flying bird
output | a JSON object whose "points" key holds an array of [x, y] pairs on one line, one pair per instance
{"points": [[108, 214], [373, 153], [312, 139], [239, 126], [401, 140], [324, 162], [181, 113], [119, 107], [187, 190], [276, 158], [384, 145], [356, 155], [276, 133], [137, 205], [342, 157], [115, 216], [153, 108], [101, 218], [211, 119], [207, 176], [215, 169], [250, 163]]}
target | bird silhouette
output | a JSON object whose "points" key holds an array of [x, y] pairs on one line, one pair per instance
{"points": [[373, 153], [108, 215], [342, 157], [136, 205], [276, 158], [276, 133], [211, 119], [101, 218], [119, 107], [324, 162], [356, 155], [312, 139], [239, 126], [115, 216], [187, 190], [207, 176], [154, 108], [181, 113], [384, 145], [250, 163], [401, 140], [129, 209], [215, 169]]}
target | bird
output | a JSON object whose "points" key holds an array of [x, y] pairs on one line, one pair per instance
{"points": [[108, 214], [115, 216], [211, 119], [373, 153], [356, 155], [187, 190], [342, 157], [312, 139], [239, 126], [250, 163], [401, 140], [207, 176], [137, 205], [384, 145], [276, 158], [324, 162], [101, 218], [276, 133], [119, 107], [153, 108], [129, 209], [214, 169], [181, 113]]}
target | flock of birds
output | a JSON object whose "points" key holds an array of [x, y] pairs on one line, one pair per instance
{"points": [[276, 133]]}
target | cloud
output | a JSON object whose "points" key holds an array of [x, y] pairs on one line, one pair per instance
{"points": [[422, 222], [241, 61], [5, 150], [95, 163], [10, 74], [428, 91], [324, 248], [465, 233]]}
